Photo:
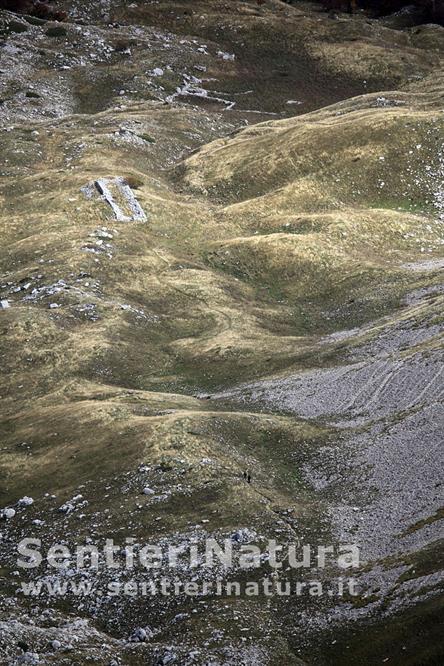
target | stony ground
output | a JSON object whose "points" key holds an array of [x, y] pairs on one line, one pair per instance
{"points": [[222, 249]]}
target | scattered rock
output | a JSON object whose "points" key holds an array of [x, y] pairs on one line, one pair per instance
{"points": [[180, 617], [8, 513], [31, 658], [167, 658], [243, 535], [66, 508], [141, 635], [25, 501], [226, 56], [103, 234]]}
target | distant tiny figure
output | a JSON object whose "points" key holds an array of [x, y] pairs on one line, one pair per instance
{"points": [[245, 475], [248, 477]]}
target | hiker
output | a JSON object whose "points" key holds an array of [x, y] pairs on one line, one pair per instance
{"points": [[249, 477]]}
